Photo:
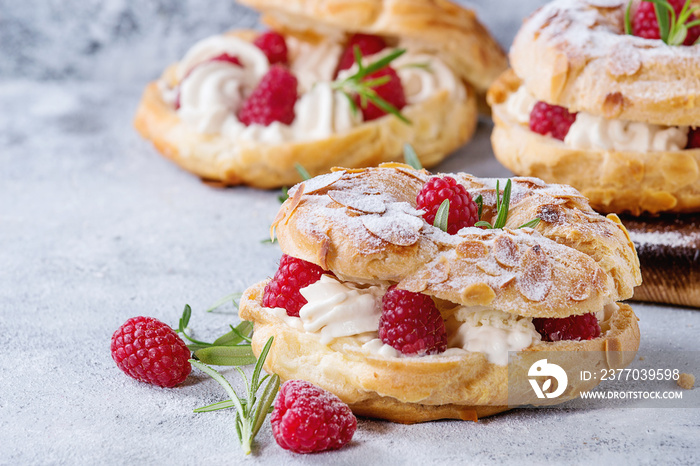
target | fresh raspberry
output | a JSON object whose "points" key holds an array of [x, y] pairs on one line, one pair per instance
{"points": [[391, 91], [273, 99], [273, 46], [292, 275], [693, 138], [646, 25], [411, 323], [551, 120], [582, 327], [150, 351], [463, 210], [308, 419], [225, 57], [368, 45]]}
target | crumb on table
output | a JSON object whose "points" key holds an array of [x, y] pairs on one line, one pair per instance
{"points": [[686, 381]]}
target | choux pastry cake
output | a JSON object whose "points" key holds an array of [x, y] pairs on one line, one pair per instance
{"points": [[613, 114], [389, 296], [254, 108]]}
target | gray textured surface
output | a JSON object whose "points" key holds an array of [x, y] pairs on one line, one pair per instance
{"points": [[95, 228]]}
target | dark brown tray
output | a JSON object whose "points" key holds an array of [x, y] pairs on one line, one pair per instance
{"points": [[669, 254]]}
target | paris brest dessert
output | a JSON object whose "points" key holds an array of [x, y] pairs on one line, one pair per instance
{"points": [[403, 292], [605, 97], [331, 83]]}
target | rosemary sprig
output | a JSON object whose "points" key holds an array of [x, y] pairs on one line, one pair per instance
{"points": [[231, 349], [673, 29], [228, 298], [502, 207], [358, 85], [251, 411], [442, 215], [410, 157], [302, 171]]}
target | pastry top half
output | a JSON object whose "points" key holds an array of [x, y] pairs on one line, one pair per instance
{"points": [[437, 26], [364, 227], [575, 53]]}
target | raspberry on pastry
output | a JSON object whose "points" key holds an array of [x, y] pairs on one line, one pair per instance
{"points": [[201, 115], [463, 210], [365, 43], [272, 100], [616, 123], [391, 91], [411, 323], [273, 46], [551, 120], [645, 23], [283, 289], [417, 324]]}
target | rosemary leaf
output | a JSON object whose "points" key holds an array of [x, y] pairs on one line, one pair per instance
{"points": [[228, 298], [531, 224], [239, 355], [410, 157], [302, 171], [442, 215], [479, 201]]}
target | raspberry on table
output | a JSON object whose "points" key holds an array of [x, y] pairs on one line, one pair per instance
{"points": [[581, 327], [463, 210], [551, 120], [391, 91], [292, 275], [646, 25], [150, 351], [308, 419], [273, 46], [272, 100], [693, 138], [368, 45], [411, 323]]}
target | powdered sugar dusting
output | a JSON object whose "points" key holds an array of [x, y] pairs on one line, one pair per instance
{"points": [[399, 225], [666, 238], [318, 183], [371, 204]]}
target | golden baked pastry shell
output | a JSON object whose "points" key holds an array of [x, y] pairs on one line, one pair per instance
{"points": [[613, 181], [407, 389]]}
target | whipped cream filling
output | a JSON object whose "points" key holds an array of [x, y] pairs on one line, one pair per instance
{"points": [[599, 133], [491, 332], [336, 309], [211, 93], [313, 63], [594, 132]]}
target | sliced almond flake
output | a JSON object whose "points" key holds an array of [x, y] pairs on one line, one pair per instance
{"points": [[318, 183], [419, 175], [395, 226], [505, 250], [364, 203], [535, 281]]}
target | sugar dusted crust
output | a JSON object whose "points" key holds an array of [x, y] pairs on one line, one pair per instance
{"points": [[613, 181], [440, 124], [361, 224], [440, 27], [410, 389], [574, 53]]}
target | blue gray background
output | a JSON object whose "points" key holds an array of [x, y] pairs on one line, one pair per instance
{"points": [[95, 227]]}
